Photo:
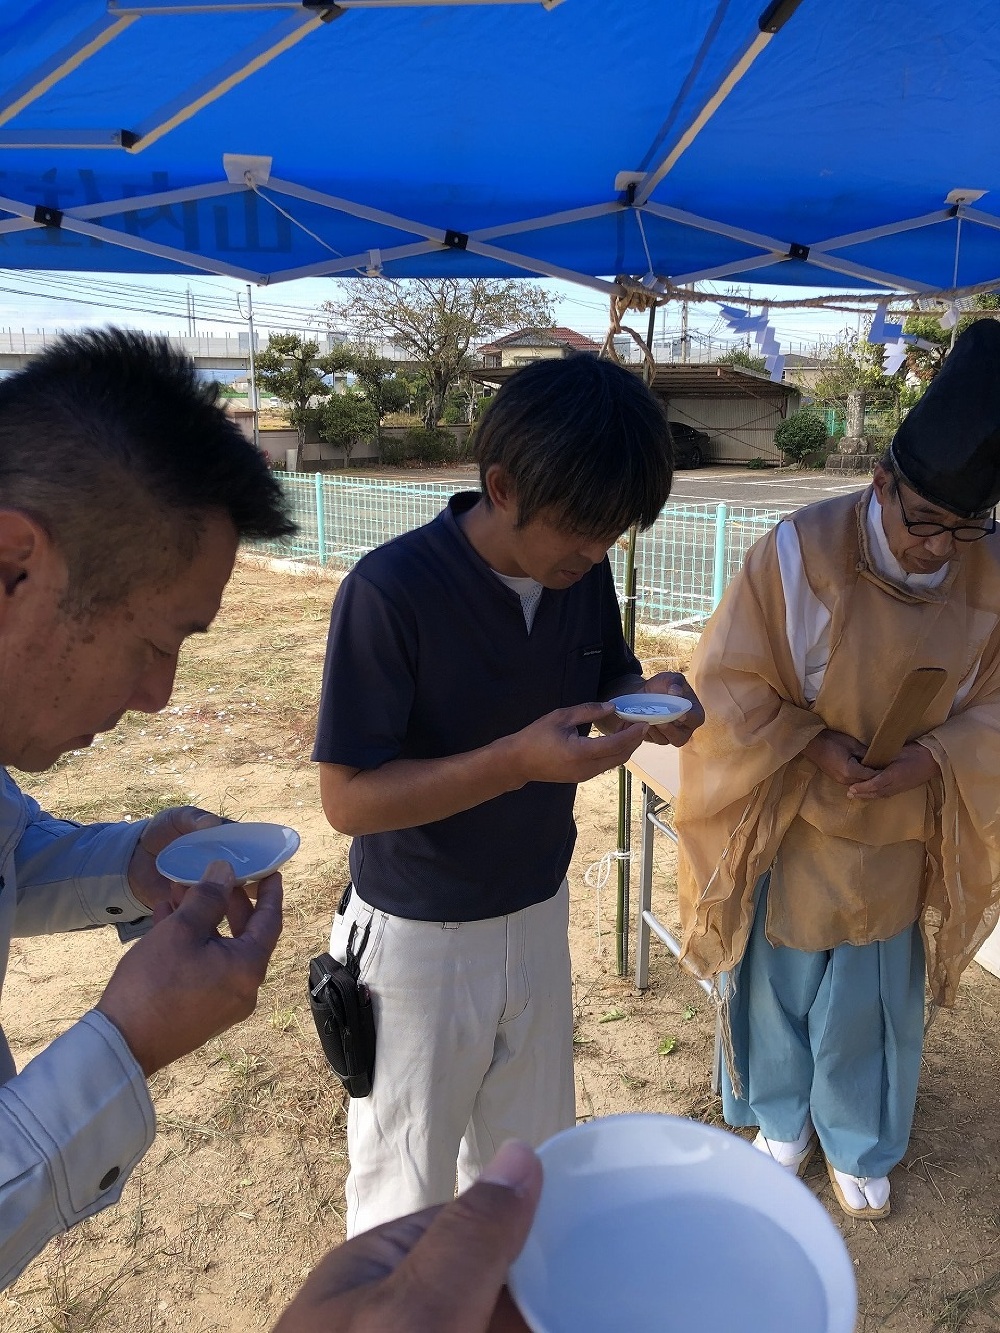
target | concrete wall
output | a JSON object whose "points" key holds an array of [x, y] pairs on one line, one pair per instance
{"points": [[316, 454], [740, 428], [804, 377], [523, 356], [320, 457]]}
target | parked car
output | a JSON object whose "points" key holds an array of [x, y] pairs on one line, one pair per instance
{"points": [[690, 445]]}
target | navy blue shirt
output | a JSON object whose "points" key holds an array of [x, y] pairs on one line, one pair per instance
{"points": [[429, 656]]}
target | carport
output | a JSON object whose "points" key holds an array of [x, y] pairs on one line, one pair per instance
{"points": [[738, 409]]}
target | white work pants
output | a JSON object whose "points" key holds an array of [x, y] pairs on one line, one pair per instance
{"points": [[474, 1024]]}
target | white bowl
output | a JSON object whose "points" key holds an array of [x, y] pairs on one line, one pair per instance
{"points": [[650, 1224], [651, 708], [253, 851]]}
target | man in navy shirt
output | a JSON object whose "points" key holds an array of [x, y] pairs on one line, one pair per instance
{"points": [[465, 665]]}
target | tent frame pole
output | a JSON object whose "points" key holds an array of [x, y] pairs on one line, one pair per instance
{"points": [[687, 219], [770, 23], [63, 63], [435, 239]]}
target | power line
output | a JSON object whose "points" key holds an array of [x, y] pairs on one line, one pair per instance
{"points": [[168, 305], [87, 286]]}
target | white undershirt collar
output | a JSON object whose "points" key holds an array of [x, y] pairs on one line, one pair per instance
{"points": [[886, 563], [529, 590]]}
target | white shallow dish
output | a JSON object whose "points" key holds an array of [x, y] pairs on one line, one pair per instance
{"points": [[651, 708], [253, 850], [654, 1224]]}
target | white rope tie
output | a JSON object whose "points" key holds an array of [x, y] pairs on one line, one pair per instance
{"points": [[252, 185], [595, 877]]}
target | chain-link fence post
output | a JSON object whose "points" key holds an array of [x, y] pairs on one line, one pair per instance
{"points": [[320, 519], [719, 567]]}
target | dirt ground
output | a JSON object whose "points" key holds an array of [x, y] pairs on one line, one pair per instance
{"points": [[243, 1189]]}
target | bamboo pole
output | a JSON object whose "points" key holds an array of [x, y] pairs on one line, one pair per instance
{"points": [[624, 776]]}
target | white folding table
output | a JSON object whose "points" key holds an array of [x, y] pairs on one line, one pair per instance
{"points": [[658, 769]]}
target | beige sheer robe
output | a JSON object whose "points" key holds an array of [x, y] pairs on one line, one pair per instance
{"points": [[842, 870]]}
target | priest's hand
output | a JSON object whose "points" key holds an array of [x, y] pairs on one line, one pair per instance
{"points": [[914, 766], [839, 757]]}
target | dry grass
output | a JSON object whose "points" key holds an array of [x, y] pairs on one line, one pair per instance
{"points": [[243, 1189], [979, 1298], [70, 1306], [664, 650]]}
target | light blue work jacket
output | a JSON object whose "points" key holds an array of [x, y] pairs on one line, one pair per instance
{"points": [[77, 1119]]}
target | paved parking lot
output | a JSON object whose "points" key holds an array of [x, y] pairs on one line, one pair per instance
{"points": [[772, 489], [756, 488]]}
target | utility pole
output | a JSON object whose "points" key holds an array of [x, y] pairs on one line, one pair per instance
{"points": [[252, 395], [685, 351], [190, 313]]}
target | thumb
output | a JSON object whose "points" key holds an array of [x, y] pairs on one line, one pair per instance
{"points": [[580, 713], [205, 903], [162, 910], [453, 1276]]}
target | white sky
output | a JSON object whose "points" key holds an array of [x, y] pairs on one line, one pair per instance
{"points": [[51, 301]]}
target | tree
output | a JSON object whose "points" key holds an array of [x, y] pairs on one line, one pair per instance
{"points": [[345, 419], [801, 434], [924, 362], [384, 389], [467, 394], [435, 321], [293, 371], [854, 364], [744, 358]]}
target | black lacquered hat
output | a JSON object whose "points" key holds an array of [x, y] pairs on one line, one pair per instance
{"points": [[948, 447]]}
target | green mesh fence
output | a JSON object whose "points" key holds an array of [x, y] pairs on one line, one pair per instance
{"points": [[683, 563]]}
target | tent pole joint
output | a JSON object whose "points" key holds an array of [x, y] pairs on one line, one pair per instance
{"points": [[323, 10], [776, 15], [48, 217]]}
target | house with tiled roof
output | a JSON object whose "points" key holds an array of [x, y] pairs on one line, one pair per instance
{"points": [[527, 345]]}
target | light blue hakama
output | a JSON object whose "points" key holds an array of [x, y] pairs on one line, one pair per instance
{"points": [[838, 1034]]}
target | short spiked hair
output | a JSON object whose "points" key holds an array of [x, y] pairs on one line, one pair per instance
{"points": [[112, 442]]}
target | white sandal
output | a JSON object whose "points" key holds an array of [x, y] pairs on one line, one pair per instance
{"points": [[794, 1157], [860, 1196]]}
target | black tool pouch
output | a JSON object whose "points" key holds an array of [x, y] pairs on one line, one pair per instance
{"points": [[342, 1008]]}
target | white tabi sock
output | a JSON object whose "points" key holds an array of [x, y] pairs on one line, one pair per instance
{"points": [[863, 1191], [788, 1155]]}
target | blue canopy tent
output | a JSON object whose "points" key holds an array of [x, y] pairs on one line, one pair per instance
{"points": [[816, 144]]}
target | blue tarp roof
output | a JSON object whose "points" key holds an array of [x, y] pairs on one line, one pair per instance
{"points": [[489, 138]]}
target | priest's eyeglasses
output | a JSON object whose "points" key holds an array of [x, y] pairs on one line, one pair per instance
{"points": [[962, 532]]}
